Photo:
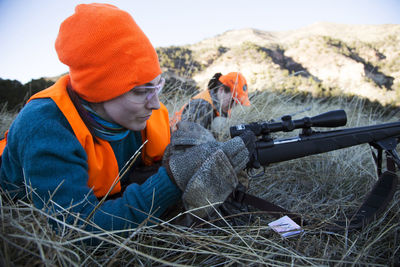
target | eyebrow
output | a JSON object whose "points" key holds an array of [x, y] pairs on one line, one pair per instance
{"points": [[151, 83], [145, 85]]}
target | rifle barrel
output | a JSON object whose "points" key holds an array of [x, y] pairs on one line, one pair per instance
{"points": [[279, 150]]}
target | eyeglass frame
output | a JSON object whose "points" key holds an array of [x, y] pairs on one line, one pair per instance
{"points": [[155, 90]]}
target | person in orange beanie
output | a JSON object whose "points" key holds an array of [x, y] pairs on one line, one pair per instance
{"points": [[75, 144], [211, 107]]}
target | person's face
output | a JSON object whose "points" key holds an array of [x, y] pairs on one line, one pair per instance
{"points": [[225, 99], [132, 109]]}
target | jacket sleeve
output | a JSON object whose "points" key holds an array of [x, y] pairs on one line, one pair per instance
{"points": [[46, 161], [199, 111]]}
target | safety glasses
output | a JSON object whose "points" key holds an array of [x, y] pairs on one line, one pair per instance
{"points": [[144, 93]]}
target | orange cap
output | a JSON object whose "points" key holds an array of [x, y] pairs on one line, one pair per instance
{"points": [[238, 85], [106, 52]]}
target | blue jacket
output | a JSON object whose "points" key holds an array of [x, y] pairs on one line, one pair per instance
{"points": [[43, 153]]}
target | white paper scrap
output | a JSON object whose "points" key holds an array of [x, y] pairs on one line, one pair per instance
{"points": [[285, 227]]}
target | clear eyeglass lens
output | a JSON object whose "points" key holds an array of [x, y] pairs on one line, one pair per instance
{"points": [[145, 93]]}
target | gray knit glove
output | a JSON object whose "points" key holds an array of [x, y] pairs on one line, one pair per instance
{"points": [[190, 134], [236, 150], [204, 169], [207, 173], [181, 166], [212, 183], [187, 135]]}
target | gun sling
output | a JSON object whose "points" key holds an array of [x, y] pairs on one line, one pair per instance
{"points": [[375, 203]]}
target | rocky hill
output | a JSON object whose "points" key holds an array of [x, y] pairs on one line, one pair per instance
{"points": [[325, 59]]}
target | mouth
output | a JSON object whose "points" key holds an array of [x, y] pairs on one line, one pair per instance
{"points": [[145, 117]]}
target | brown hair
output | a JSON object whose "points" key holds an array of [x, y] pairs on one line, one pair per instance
{"points": [[214, 84]]}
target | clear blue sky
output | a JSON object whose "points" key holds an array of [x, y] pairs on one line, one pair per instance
{"points": [[28, 28]]}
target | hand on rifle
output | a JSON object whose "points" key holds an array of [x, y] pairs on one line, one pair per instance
{"points": [[249, 139], [206, 172]]}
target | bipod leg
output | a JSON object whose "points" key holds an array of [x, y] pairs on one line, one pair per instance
{"points": [[378, 160], [392, 153], [377, 199]]}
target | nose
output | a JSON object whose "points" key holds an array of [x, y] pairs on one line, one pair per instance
{"points": [[153, 103]]}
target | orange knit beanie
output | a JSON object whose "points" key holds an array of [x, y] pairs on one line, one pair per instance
{"points": [[106, 52]]}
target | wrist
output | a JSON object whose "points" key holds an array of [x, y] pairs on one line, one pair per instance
{"points": [[169, 173]]}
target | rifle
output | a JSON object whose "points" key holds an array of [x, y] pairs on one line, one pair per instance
{"points": [[381, 137]]}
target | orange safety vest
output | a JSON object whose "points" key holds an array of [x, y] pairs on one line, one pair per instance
{"points": [[205, 95], [3, 143], [102, 164]]}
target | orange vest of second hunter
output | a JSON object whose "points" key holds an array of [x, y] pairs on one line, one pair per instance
{"points": [[102, 164], [205, 95]]}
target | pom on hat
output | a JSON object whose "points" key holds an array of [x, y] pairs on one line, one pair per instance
{"points": [[106, 52], [238, 85]]}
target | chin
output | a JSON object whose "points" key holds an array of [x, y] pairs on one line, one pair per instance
{"points": [[136, 126]]}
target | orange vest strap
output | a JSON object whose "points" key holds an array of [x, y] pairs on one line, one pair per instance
{"points": [[158, 134], [3, 143], [205, 95], [176, 118], [102, 164]]}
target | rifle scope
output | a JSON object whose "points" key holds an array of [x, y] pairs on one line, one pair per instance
{"points": [[333, 118]]}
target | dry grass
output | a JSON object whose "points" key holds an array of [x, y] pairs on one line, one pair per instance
{"points": [[5, 120], [322, 187]]}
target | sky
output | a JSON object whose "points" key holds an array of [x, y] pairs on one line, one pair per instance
{"points": [[29, 28]]}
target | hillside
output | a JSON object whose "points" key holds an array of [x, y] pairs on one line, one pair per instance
{"points": [[325, 59]]}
